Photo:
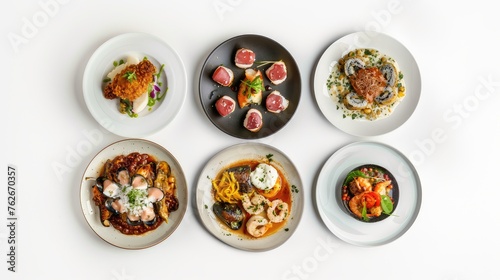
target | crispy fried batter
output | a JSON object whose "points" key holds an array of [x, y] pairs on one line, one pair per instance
{"points": [[131, 89], [368, 83], [108, 92]]}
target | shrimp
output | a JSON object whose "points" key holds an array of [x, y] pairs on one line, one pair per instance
{"points": [[255, 205], [356, 206], [357, 203], [381, 187], [360, 185], [277, 211], [257, 225]]}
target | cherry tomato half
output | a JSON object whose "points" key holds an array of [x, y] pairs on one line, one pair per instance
{"points": [[371, 199]]}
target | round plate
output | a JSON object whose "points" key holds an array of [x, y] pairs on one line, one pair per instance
{"points": [[106, 111], [386, 45], [393, 193], [204, 196], [91, 211], [328, 190], [265, 50]]}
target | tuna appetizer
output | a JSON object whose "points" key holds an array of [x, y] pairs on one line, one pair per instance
{"points": [[223, 76], [244, 58], [251, 88], [253, 120], [225, 105], [275, 102], [276, 73]]}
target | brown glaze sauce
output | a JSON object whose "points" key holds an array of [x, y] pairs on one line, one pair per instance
{"points": [[120, 223]]}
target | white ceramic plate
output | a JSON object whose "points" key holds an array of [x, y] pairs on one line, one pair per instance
{"points": [[328, 194], [386, 45], [91, 211], [106, 111], [204, 197]]}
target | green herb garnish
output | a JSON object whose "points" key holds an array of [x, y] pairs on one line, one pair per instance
{"points": [[130, 76], [353, 174], [116, 63], [256, 85], [364, 213], [159, 71], [136, 197], [386, 203], [126, 108], [264, 62], [357, 173]]}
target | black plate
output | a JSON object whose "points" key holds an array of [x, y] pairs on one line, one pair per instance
{"points": [[394, 194], [265, 50]]}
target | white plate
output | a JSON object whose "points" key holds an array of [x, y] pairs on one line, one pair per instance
{"points": [[204, 197], [100, 64], [386, 45], [328, 194], [91, 211]]}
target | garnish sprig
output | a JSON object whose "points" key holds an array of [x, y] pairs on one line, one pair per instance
{"points": [[265, 62], [256, 84], [130, 76], [357, 173]]}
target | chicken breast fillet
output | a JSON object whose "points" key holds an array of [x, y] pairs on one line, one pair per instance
{"points": [[132, 81]]}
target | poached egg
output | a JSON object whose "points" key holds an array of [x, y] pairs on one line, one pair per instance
{"points": [[264, 176]]}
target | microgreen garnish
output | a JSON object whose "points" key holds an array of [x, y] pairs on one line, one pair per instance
{"points": [[269, 157], [264, 62], [130, 76], [256, 85]]}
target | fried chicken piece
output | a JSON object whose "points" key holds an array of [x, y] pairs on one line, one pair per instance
{"points": [[108, 92], [368, 83], [132, 81]]}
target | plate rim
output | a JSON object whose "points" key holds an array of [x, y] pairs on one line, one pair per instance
{"points": [[325, 219], [219, 234], [240, 37], [180, 84], [171, 228], [327, 106]]}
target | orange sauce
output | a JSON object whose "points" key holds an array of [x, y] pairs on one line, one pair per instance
{"points": [[285, 194]]}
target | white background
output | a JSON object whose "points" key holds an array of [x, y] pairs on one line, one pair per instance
{"points": [[45, 119]]}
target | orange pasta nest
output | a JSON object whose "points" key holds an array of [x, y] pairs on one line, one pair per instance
{"points": [[227, 188]]}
